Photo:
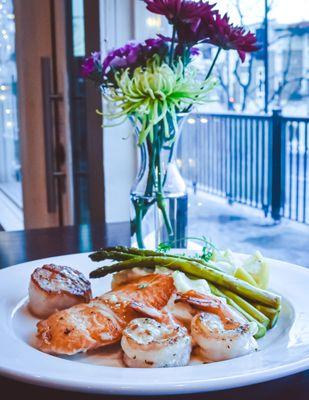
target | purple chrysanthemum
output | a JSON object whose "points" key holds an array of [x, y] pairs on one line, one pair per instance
{"points": [[180, 11], [195, 51], [229, 37], [91, 64], [197, 22], [122, 57], [217, 30], [189, 36], [134, 54]]}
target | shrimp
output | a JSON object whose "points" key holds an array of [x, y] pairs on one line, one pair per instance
{"points": [[219, 331], [149, 343]]}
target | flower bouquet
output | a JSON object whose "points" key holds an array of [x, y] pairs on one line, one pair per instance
{"points": [[155, 85]]}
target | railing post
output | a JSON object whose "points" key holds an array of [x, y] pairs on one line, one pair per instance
{"points": [[277, 176]]}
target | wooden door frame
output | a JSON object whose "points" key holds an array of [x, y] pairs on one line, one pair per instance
{"points": [[63, 128], [94, 124], [93, 101], [40, 33]]}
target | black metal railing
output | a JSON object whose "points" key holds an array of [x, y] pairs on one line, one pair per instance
{"points": [[296, 163], [261, 161]]}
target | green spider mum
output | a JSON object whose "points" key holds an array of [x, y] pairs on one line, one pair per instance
{"points": [[155, 93]]}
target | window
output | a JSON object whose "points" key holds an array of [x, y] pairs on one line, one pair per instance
{"points": [[78, 28], [10, 167]]}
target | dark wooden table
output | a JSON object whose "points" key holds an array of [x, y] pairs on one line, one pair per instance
{"points": [[18, 247]]}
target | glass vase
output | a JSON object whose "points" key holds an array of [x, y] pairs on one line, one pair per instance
{"points": [[159, 199]]}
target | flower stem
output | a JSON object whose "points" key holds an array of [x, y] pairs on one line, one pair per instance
{"points": [[151, 168], [138, 223], [160, 197], [154, 191], [213, 64], [171, 55]]}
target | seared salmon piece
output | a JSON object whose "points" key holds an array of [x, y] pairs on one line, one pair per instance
{"points": [[101, 322]]}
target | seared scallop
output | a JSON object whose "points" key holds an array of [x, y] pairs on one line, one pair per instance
{"points": [[53, 288], [150, 344]]}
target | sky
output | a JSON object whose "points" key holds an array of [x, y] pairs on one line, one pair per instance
{"points": [[284, 11]]}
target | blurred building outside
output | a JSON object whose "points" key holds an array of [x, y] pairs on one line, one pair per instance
{"points": [[241, 87]]}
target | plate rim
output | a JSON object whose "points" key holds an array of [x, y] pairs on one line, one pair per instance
{"points": [[253, 377]]}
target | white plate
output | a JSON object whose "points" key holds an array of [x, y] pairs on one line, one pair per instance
{"points": [[283, 351]]}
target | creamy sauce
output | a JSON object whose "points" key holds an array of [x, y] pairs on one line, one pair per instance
{"points": [[183, 284], [112, 356]]}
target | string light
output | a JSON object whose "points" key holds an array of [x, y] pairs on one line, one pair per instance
{"points": [[191, 121], [191, 162], [153, 22]]}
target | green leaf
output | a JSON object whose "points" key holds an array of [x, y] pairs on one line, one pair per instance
{"points": [[164, 247]]}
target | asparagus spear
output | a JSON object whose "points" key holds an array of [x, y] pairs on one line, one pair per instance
{"points": [[274, 320], [110, 254], [201, 271], [118, 253], [249, 308], [261, 328], [271, 313], [109, 269], [105, 254]]}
